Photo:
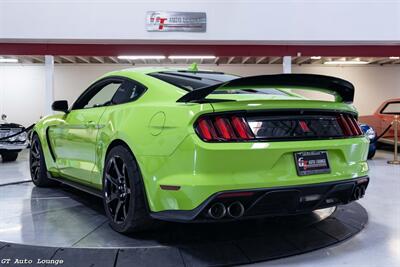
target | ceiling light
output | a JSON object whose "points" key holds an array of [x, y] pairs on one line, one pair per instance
{"points": [[315, 57], [8, 60], [191, 57], [343, 62], [394, 58], [141, 57]]}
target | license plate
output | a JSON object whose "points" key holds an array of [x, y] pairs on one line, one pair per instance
{"points": [[311, 162]]}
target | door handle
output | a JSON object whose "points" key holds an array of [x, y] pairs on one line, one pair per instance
{"points": [[91, 124]]}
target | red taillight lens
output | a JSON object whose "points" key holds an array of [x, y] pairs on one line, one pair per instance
{"points": [[224, 128], [242, 128], [356, 127], [349, 125], [206, 129]]}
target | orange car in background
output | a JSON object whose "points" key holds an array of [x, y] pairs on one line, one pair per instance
{"points": [[382, 118]]}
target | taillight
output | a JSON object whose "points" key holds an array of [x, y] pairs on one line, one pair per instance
{"points": [[223, 128], [349, 125], [206, 130]]}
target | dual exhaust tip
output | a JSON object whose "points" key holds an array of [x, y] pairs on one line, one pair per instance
{"points": [[218, 210], [359, 191]]}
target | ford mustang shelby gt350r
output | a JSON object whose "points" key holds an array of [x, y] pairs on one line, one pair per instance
{"points": [[194, 146]]}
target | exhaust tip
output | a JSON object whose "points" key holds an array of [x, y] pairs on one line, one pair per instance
{"points": [[359, 192], [236, 209], [217, 211]]}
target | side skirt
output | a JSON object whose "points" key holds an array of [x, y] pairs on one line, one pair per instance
{"points": [[85, 188]]}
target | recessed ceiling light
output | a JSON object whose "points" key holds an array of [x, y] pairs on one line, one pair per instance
{"points": [[141, 57], [191, 57], [348, 62], [315, 57], [8, 60], [394, 57]]}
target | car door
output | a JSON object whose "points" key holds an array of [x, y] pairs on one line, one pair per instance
{"points": [[387, 116], [74, 141]]}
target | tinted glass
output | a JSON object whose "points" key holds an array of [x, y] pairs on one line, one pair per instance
{"points": [[194, 80], [127, 92], [104, 96]]}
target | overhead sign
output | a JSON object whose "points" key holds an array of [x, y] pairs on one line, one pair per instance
{"points": [[169, 21]]}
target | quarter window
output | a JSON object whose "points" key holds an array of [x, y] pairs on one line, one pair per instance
{"points": [[127, 92]]}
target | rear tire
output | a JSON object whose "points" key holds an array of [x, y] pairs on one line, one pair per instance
{"points": [[371, 154], [9, 156], [37, 165], [123, 193]]}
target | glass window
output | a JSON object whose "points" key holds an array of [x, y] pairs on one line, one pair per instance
{"points": [[392, 108], [195, 80], [127, 92], [104, 96]]}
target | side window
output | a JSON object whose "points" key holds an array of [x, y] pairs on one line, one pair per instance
{"points": [[104, 96], [392, 108], [128, 92]]}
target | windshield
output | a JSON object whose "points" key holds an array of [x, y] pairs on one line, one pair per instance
{"points": [[190, 81]]}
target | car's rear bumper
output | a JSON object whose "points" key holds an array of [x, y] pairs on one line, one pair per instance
{"points": [[198, 170], [278, 201]]}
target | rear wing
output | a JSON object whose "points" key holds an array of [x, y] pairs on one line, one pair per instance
{"points": [[341, 89]]}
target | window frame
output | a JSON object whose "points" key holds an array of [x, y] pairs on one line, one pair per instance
{"points": [[93, 89], [386, 105]]}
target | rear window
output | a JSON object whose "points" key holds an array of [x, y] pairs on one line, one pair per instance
{"points": [[190, 81]]}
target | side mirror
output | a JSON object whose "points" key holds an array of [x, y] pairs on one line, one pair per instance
{"points": [[61, 105]]}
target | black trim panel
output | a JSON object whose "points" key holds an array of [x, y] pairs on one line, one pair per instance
{"points": [[333, 85], [191, 216], [53, 156], [79, 186]]}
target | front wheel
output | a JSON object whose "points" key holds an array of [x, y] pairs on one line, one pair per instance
{"points": [[37, 165], [123, 192]]}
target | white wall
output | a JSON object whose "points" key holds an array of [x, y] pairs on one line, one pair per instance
{"points": [[22, 87], [22, 92], [228, 20]]}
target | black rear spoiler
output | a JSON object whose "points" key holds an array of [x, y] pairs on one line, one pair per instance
{"points": [[341, 89]]}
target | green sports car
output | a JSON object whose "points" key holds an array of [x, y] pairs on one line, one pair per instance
{"points": [[189, 145]]}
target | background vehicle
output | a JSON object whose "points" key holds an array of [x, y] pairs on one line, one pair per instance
{"points": [[371, 135], [382, 118], [9, 148], [188, 145]]}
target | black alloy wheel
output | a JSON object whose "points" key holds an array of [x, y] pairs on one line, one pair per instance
{"points": [[123, 192], [117, 189], [37, 165], [34, 160]]}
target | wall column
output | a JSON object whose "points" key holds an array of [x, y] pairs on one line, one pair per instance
{"points": [[287, 64], [49, 90]]}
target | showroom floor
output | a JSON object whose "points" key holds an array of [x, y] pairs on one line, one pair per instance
{"points": [[377, 245]]}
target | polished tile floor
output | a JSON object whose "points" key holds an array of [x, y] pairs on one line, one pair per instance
{"points": [[377, 245]]}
